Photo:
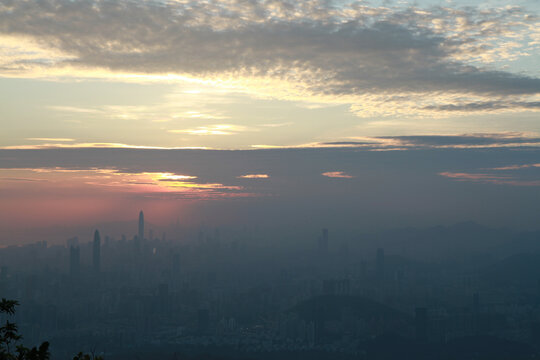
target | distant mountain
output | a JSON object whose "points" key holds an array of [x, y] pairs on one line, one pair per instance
{"points": [[464, 241]]}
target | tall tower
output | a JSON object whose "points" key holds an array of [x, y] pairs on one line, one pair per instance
{"points": [[97, 252], [323, 242], [141, 226], [379, 267]]}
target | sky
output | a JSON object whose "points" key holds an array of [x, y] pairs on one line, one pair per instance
{"points": [[341, 85]]}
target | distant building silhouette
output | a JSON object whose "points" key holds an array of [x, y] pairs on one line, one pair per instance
{"points": [[203, 321], [96, 254], [74, 260], [336, 287], [421, 323], [140, 235], [476, 314], [323, 241], [74, 241], [4, 273], [379, 266], [141, 226]]}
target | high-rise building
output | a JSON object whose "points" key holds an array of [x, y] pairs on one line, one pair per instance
{"points": [[203, 321], [141, 226], [74, 260], [96, 255], [421, 323], [138, 240], [380, 263], [323, 241], [4, 273], [74, 241]]}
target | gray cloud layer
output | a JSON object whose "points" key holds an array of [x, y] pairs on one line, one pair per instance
{"points": [[394, 54], [473, 141]]}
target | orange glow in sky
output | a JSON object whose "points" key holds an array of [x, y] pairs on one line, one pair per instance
{"points": [[52, 196]]}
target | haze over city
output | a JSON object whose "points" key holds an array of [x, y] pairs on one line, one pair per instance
{"points": [[271, 179]]}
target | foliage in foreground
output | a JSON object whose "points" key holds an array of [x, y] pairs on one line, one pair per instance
{"points": [[10, 347]]}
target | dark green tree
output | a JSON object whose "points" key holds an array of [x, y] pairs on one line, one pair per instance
{"points": [[81, 356], [10, 347]]}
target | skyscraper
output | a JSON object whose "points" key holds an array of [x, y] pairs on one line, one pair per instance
{"points": [[323, 242], [421, 323], [97, 251], [141, 226], [380, 263]]}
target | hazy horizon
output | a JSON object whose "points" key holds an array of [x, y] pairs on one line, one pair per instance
{"points": [[425, 184]]}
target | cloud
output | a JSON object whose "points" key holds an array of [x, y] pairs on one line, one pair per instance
{"points": [[517, 167], [276, 125], [187, 101], [149, 183], [51, 139], [21, 179], [89, 146], [412, 142], [337, 174], [489, 179], [463, 141], [527, 174], [485, 106], [373, 143], [380, 60], [473, 176], [221, 129], [167, 176], [254, 176]]}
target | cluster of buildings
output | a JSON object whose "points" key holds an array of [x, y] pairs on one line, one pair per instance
{"points": [[251, 293]]}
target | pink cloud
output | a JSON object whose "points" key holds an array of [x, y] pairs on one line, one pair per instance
{"points": [[254, 176], [489, 179], [337, 174]]}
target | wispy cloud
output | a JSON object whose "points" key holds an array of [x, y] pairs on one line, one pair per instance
{"points": [[121, 180], [51, 139], [75, 109], [474, 176], [486, 178], [276, 125], [461, 141], [167, 176], [220, 129], [90, 146], [337, 174], [21, 179], [517, 167], [177, 105], [374, 143], [254, 176]]}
